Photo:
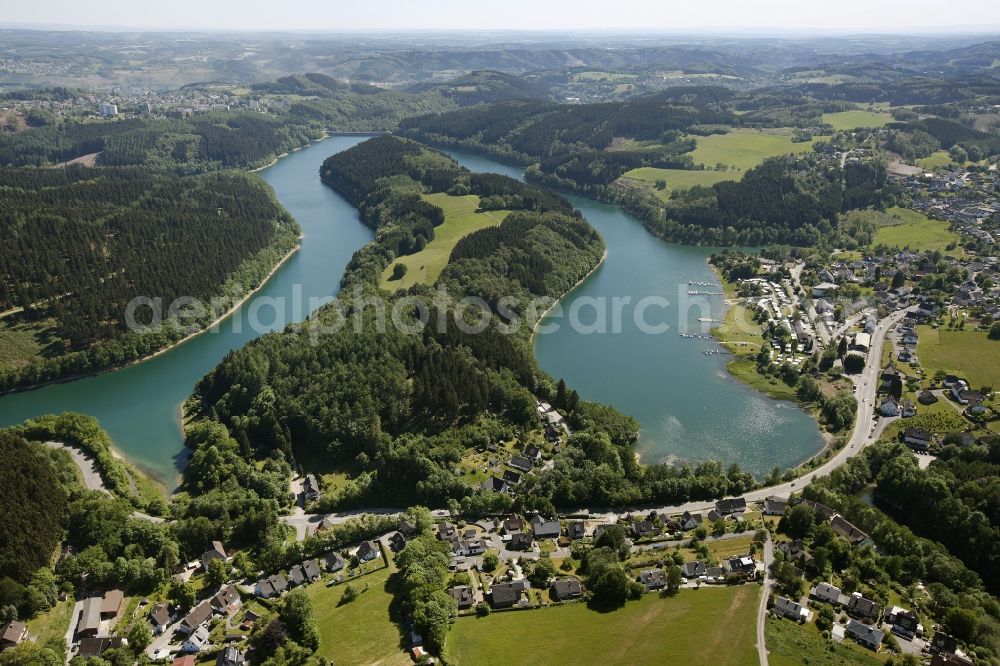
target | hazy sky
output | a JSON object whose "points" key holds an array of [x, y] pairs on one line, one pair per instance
{"points": [[840, 15]]}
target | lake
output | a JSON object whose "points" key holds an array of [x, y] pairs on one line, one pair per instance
{"points": [[687, 405]]}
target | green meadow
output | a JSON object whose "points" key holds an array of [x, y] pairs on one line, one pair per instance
{"points": [[916, 231], [745, 149], [677, 179], [461, 218], [847, 120]]}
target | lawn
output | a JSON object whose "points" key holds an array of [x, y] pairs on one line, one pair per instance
{"points": [[787, 642], [745, 370], [745, 149], [460, 219], [916, 231], [677, 179], [707, 626], [847, 120], [968, 354], [362, 631], [939, 158], [941, 417]]}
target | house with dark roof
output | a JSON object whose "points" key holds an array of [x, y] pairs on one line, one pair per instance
{"points": [[731, 505], [272, 586], [333, 561], [296, 575], [567, 588], [445, 531], [13, 633], [111, 604], [917, 439], [407, 529], [520, 541], [96, 646], [693, 569], [90, 618], [159, 618], [653, 579], [310, 488], [231, 656], [311, 569], [576, 529], [546, 529], [505, 595], [870, 637], [904, 622], [792, 610], [846, 529], [495, 484], [864, 609], [512, 524], [511, 478], [532, 452], [367, 552], [462, 594], [227, 600], [198, 616], [741, 565], [775, 506], [690, 521], [520, 463]]}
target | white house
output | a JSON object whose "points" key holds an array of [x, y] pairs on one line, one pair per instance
{"points": [[197, 641]]}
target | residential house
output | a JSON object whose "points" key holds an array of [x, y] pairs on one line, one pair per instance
{"points": [[823, 289], [446, 531], [533, 453], [828, 593], [511, 478], [397, 542], [741, 565], [653, 579], [567, 588], [94, 647], [520, 463], [917, 439], [215, 552], [197, 641], [367, 551], [231, 656], [904, 622], [863, 609], [14, 632], [333, 561], [908, 409], [576, 529], [926, 398], [545, 529], [186, 660], [792, 550], [715, 573], [731, 505], [159, 618], [792, 610], [520, 541], [90, 618], [296, 575], [870, 637], [844, 528], [693, 569], [198, 616], [495, 484], [505, 595], [407, 529], [312, 570], [643, 529], [889, 407], [272, 586], [462, 594], [713, 516], [310, 488], [949, 659], [512, 524], [775, 506], [226, 601], [690, 521], [111, 604]]}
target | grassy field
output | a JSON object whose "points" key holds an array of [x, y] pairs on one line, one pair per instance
{"points": [[708, 626], [968, 354], [460, 220], [22, 342], [362, 631], [916, 231], [941, 417], [937, 159], [677, 179], [52, 624], [745, 149], [787, 642], [846, 120]]}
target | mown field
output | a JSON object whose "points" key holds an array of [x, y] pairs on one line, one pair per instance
{"points": [[362, 631], [745, 149], [709, 626], [787, 642], [968, 354], [916, 231], [846, 120], [460, 220], [677, 179], [939, 158]]}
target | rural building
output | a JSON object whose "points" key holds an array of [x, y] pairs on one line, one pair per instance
{"points": [[310, 488], [231, 656], [505, 595], [789, 609], [653, 579], [863, 609], [828, 593], [870, 637], [159, 618], [775, 506], [197, 641], [14, 632], [731, 505], [215, 552], [90, 618], [462, 594], [567, 588]]}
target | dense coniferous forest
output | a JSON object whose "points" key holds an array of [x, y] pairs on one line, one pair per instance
{"points": [[82, 242]]}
